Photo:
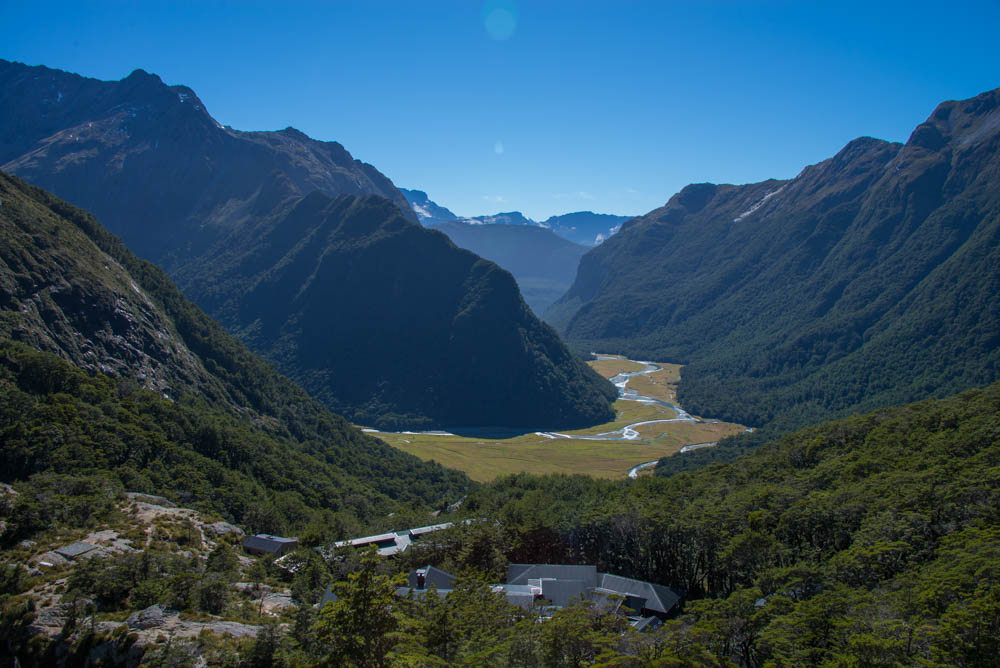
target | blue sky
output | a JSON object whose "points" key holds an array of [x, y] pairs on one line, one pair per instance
{"points": [[543, 107]]}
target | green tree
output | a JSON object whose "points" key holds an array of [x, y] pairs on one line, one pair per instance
{"points": [[223, 560], [356, 629], [310, 578]]}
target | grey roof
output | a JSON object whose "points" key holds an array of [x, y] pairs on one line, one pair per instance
{"points": [[328, 597], [432, 576], [393, 542], [658, 598], [562, 592], [522, 596], [268, 543], [420, 531], [366, 540], [560, 583], [521, 573], [74, 550]]}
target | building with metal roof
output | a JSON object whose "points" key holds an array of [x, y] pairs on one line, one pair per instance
{"points": [[74, 550], [264, 543], [560, 584], [393, 542]]}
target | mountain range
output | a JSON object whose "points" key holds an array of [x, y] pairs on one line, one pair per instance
{"points": [[154, 166], [871, 278], [313, 257], [585, 227], [582, 227]]}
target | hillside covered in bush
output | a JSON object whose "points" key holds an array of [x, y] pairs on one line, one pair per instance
{"points": [[163, 396], [870, 279]]}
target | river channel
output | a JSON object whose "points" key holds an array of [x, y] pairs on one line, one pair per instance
{"points": [[626, 433]]}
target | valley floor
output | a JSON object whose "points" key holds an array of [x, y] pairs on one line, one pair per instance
{"points": [[649, 425]]}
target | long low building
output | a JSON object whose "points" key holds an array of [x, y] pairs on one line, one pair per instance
{"points": [[393, 542]]}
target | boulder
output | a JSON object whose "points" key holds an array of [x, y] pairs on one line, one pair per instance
{"points": [[152, 617], [223, 528], [151, 499]]}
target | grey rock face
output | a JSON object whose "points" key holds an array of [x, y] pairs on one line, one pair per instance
{"points": [[152, 617]]}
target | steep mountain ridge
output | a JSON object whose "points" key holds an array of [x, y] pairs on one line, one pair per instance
{"points": [[392, 325], [154, 166], [428, 211], [869, 279], [69, 287]]}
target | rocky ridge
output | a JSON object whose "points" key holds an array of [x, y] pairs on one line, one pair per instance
{"points": [[154, 166]]}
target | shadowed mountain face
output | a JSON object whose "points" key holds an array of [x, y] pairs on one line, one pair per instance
{"points": [[383, 320], [543, 264], [871, 278], [392, 325], [222, 423], [154, 166]]}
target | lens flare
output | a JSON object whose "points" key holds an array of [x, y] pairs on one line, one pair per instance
{"points": [[500, 19]]}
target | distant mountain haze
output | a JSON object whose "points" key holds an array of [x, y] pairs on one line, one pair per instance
{"points": [[582, 227], [314, 258], [870, 279], [543, 257], [427, 211], [543, 264], [585, 227]]}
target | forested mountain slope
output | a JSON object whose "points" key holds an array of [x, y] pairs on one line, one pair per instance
{"points": [[392, 325], [871, 278], [873, 540], [543, 264], [170, 402]]}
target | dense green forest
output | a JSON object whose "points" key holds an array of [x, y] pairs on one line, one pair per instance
{"points": [[870, 279], [873, 540], [56, 419]]}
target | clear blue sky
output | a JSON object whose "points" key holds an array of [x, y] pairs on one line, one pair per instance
{"points": [[544, 107]]}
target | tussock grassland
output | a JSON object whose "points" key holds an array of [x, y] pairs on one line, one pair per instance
{"points": [[484, 458]]}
